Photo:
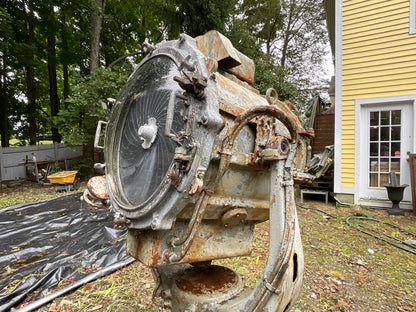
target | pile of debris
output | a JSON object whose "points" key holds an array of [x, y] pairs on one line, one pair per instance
{"points": [[320, 164]]}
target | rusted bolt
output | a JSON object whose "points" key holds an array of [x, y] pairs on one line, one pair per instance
{"points": [[204, 120], [166, 295], [233, 217]]}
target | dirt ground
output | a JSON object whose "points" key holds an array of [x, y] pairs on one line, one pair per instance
{"points": [[345, 269]]}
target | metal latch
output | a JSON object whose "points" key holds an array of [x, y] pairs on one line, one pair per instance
{"points": [[98, 134]]}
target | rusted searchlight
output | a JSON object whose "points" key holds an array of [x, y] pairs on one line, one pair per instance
{"points": [[195, 158]]}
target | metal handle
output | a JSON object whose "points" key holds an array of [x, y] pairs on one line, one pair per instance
{"points": [[98, 133], [171, 111]]}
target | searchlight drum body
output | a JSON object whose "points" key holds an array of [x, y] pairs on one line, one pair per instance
{"points": [[195, 158]]}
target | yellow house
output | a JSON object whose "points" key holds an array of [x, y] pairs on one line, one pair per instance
{"points": [[374, 48]]}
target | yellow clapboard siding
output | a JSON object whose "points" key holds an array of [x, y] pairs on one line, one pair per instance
{"points": [[346, 176], [376, 17], [394, 26], [348, 140], [348, 126], [348, 119], [389, 17], [381, 86], [348, 160], [378, 60], [365, 82], [369, 95], [352, 6], [380, 71], [364, 38], [381, 62], [380, 43], [402, 46]]}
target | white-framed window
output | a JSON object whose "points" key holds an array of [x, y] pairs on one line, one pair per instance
{"points": [[384, 146], [412, 19]]}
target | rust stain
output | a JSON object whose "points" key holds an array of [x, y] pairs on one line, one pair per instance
{"points": [[156, 256], [204, 280], [97, 186]]}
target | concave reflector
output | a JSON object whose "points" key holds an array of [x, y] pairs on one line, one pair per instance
{"points": [[142, 171]]}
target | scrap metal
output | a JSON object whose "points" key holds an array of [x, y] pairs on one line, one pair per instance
{"points": [[233, 166]]}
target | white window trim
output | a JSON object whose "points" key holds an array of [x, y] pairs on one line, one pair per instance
{"points": [[412, 17]]}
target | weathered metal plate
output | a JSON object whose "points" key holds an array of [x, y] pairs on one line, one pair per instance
{"points": [[213, 241], [214, 45]]}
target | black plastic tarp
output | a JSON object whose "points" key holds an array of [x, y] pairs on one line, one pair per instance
{"points": [[44, 243]]}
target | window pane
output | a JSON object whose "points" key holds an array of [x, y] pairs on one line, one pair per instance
{"points": [[384, 166], [395, 149], [396, 117], [374, 149], [374, 134], [385, 118], [384, 149], [395, 165], [373, 180], [373, 164], [384, 179], [384, 133], [398, 179], [395, 133], [374, 119]]}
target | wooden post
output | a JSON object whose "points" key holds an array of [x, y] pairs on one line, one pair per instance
{"points": [[412, 163]]}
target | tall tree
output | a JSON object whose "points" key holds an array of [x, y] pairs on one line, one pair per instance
{"points": [[51, 59], [96, 25], [5, 41], [264, 18], [291, 40], [199, 16], [29, 19]]}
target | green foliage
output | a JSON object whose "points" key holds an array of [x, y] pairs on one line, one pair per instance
{"points": [[87, 104], [287, 41], [198, 16], [82, 165], [269, 75]]}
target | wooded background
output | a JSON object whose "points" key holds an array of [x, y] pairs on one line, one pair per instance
{"points": [[61, 60]]}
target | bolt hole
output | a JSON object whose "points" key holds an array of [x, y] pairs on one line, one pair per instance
{"points": [[284, 146], [287, 307], [295, 266]]}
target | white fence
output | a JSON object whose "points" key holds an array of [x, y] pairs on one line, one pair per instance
{"points": [[12, 158]]}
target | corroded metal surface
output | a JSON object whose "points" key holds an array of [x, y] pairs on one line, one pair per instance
{"points": [[97, 186], [232, 165], [214, 45], [96, 194], [213, 241]]}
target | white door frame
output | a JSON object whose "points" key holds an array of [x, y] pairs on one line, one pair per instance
{"points": [[362, 107]]}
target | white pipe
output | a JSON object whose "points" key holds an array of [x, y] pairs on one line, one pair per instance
{"points": [[89, 278]]}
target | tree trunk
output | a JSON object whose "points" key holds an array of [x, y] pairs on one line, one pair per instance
{"points": [[287, 34], [53, 85], [64, 60], [31, 85], [96, 24], [4, 114]]}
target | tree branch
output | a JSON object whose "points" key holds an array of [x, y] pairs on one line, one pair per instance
{"points": [[121, 58]]}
